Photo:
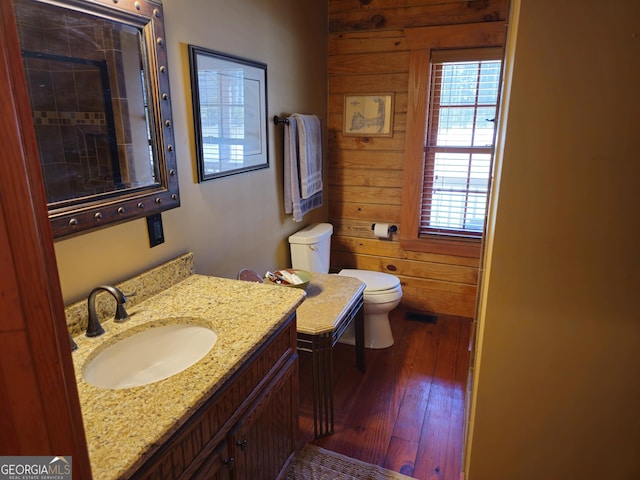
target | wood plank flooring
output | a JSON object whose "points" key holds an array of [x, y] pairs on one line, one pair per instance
{"points": [[406, 412]]}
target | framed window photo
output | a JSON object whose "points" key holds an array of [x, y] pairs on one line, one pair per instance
{"points": [[368, 115], [229, 96]]}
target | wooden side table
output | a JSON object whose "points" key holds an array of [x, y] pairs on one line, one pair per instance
{"points": [[332, 303]]}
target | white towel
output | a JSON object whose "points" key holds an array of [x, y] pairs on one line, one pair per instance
{"points": [[293, 201], [310, 154]]}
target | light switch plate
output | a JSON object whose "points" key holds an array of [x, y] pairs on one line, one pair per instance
{"points": [[156, 233]]}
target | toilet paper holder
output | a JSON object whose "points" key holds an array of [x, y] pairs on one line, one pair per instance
{"points": [[392, 228]]}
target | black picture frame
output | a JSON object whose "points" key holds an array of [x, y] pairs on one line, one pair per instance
{"points": [[229, 95]]}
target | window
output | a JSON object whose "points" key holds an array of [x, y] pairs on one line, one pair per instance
{"points": [[222, 117], [462, 108], [454, 79]]}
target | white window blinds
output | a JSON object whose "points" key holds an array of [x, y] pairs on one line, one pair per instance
{"points": [[463, 102]]}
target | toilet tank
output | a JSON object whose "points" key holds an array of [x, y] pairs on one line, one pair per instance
{"points": [[310, 248]]}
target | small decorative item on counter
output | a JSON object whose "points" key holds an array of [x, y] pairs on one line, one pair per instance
{"points": [[289, 277]]}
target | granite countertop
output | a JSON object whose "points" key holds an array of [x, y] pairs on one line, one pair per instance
{"points": [[126, 425], [329, 296]]}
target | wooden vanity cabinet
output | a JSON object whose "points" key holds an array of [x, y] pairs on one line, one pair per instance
{"points": [[218, 466], [262, 441], [247, 429]]}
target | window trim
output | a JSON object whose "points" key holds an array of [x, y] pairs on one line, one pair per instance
{"points": [[421, 42]]}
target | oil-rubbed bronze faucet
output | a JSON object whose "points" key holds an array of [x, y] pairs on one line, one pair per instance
{"points": [[93, 327]]}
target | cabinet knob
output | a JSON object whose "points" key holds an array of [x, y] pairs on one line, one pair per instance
{"points": [[229, 462], [242, 444]]}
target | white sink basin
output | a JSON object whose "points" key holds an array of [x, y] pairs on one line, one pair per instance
{"points": [[150, 356]]}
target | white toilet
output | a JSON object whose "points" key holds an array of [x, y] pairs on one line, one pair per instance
{"points": [[310, 250]]}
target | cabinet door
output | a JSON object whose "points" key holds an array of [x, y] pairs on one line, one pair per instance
{"points": [[218, 466], [264, 441]]}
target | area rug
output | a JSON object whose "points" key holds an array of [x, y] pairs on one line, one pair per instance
{"points": [[315, 463]]}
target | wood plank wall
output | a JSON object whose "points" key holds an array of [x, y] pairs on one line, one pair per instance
{"points": [[368, 53]]}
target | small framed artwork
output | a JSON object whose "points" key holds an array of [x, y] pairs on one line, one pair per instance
{"points": [[230, 113], [368, 115]]}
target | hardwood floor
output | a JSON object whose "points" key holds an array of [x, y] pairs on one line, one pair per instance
{"points": [[406, 412]]}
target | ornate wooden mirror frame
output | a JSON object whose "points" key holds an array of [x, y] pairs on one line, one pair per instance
{"points": [[98, 83]]}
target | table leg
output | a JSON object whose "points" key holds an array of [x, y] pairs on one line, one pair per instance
{"points": [[322, 372], [359, 334]]}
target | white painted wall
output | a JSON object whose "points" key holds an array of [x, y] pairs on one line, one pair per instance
{"points": [[235, 221], [557, 378]]}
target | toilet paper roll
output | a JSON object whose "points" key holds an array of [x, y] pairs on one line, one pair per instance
{"points": [[382, 230]]}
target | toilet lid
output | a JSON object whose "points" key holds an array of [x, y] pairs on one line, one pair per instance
{"points": [[374, 281]]}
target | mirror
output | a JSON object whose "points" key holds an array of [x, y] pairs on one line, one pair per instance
{"points": [[97, 78]]}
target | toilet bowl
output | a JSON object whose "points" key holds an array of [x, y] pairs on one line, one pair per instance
{"points": [[310, 250], [381, 295]]}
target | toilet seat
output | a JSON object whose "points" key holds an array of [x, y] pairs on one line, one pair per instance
{"points": [[378, 284], [374, 281], [386, 296]]}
